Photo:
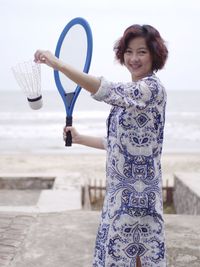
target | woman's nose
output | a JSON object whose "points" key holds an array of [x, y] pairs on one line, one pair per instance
{"points": [[134, 57]]}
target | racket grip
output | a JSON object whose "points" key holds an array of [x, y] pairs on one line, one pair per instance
{"points": [[68, 141]]}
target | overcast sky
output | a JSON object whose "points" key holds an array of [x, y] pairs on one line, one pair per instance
{"points": [[27, 25]]}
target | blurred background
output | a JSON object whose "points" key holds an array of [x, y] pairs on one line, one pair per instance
{"points": [[29, 25]]}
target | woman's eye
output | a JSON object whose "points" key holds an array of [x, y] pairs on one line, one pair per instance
{"points": [[128, 51], [142, 52]]}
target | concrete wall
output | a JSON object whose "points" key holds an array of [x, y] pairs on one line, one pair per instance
{"points": [[187, 193]]}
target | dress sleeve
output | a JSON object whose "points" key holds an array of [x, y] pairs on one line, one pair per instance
{"points": [[105, 142], [139, 94]]}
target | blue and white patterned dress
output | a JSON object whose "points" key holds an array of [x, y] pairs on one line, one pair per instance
{"points": [[132, 216]]}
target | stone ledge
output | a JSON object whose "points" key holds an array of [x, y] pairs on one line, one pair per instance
{"points": [[65, 193]]}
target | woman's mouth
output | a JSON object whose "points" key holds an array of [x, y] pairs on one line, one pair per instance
{"points": [[135, 67]]}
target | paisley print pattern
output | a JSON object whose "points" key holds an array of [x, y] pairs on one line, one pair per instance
{"points": [[132, 216]]}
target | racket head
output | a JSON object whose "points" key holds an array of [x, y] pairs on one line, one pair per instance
{"points": [[74, 47]]}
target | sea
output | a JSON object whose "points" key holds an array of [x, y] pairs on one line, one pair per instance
{"points": [[23, 130]]}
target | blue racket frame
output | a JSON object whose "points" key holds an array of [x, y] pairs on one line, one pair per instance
{"points": [[69, 99]]}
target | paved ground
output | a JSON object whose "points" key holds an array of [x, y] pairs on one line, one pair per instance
{"points": [[67, 239], [13, 231]]}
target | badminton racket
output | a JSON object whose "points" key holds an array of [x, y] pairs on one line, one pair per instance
{"points": [[74, 47]]}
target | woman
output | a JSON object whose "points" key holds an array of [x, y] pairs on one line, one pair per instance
{"points": [[131, 231]]}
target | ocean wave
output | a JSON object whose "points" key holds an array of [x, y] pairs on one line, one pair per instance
{"points": [[21, 116]]}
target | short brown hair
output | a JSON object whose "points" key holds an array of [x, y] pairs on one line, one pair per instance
{"points": [[154, 42]]}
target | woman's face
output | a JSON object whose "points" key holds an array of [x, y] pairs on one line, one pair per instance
{"points": [[137, 58]]}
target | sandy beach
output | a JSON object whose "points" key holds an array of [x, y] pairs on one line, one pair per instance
{"points": [[89, 166]]}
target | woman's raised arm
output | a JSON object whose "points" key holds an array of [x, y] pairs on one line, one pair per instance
{"points": [[86, 81]]}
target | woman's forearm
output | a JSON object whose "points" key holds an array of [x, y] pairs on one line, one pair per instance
{"points": [[87, 81], [95, 142]]}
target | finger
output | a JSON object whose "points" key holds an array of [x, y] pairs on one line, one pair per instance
{"points": [[40, 56], [37, 54], [64, 136], [68, 128], [65, 130]]}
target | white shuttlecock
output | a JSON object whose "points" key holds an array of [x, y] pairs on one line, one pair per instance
{"points": [[28, 77]]}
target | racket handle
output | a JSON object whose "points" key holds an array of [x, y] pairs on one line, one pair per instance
{"points": [[68, 141]]}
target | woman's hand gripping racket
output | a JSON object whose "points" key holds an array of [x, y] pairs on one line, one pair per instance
{"points": [[75, 48]]}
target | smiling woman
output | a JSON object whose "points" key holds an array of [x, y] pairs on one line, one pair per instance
{"points": [[132, 218]]}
